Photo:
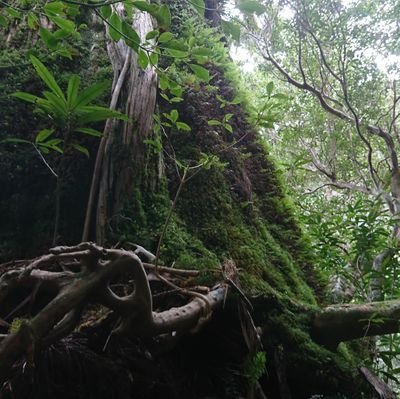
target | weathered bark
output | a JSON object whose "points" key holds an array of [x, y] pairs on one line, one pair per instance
{"points": [[124, 156], [382, 389], [339, 323], [117, 86]]}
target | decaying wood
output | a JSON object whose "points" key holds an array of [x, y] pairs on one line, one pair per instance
{"points": [[88, 285]]}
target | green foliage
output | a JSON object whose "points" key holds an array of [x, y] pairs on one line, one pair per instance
{"points": [[68, 113], [255, 367]]}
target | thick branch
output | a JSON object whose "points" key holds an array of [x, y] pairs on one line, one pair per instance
{"points": [[340, 323]]}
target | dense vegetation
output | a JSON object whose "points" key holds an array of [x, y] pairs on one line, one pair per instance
{"points": [[127, 123]]}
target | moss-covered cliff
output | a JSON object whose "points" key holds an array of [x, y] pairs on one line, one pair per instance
{"points": [[234, 207]]}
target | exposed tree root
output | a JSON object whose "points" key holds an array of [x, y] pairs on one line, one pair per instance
{"points": [[82, 275]]}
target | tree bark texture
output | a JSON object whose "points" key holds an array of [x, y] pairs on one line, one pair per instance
{"points": [[124, 156]]}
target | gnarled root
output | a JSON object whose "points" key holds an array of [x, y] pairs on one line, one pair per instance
{"points": [[82, 275]]}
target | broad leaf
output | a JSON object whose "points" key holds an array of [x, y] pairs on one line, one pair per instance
{"points": [[200, 72], [54, 7], [251, 6], [199, 6], [165, 37], [130, 33], [63, 23], [32, 20], [114, 22], [174, 115], [231, 29], [152, 34], [106, 11], [163, 17], [48, 38], [144, 6], [214, 122], [183, 126], [143, 59]]}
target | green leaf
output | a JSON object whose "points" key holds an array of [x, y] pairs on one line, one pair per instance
{"points": [[47, 77], [200, 72], [32, 20], [165, 37], [106, 11], [214, 122], [30, 98], [13, 13], [63, 23], [163, 82], [95, 114], [114, 22], [174, 115], [227, 117], [176, 91], [176, 99], [89, 131], [80, 148], [15, 140], [199, 6], [3, 21], [183, 126], [48, 38], [153, 58], [177, 53], [58, 105], [163, 17], [152, 9], [60, 34], [270, 88], [202, 51], [54, 7], [143, 59], [152, 34], [91, 93], [52, 145], [251, 6], [175, 45], [134, 39], [228, 127], [72, 92], [165, 97], [43, 135], [65, 52], [231, 29]]}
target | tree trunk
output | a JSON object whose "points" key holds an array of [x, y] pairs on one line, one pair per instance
{"points": [[124, 156]]}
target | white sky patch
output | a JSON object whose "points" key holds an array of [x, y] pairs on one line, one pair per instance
{"points": [[244, 58]]}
